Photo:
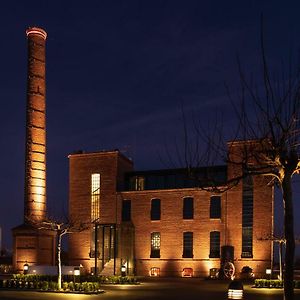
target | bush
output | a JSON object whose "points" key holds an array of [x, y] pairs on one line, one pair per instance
{"points": [[45, 285], [77, 286], [53, 285], [71, 286], [65, 286], [266, 283]]}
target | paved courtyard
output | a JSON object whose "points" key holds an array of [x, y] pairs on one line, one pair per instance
{"points": [[161, 288]]}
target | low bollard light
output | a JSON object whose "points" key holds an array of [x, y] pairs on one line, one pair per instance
{"points": [[76, 273], [123, 271], [25, 268], [235, 290]]}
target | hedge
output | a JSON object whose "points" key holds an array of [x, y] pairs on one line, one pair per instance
{"points": [[272, 283], [46, 283]]}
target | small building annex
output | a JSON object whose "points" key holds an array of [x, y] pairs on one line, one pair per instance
{"points": [[161, 223]]}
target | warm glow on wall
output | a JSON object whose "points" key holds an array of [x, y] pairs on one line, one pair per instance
{"points": [[95, 196]]}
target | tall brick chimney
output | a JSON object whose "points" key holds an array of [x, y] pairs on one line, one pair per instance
{"points": [[35, 159], [32, 245]]}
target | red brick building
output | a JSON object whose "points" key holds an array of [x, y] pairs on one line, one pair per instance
{"points": [[162, 223]]}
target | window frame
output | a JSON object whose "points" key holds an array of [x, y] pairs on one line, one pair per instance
{"points": [[215, 208], [214, 252], [188, 244], [188, 209], [126, 211], [155, 239], [155, 215]]}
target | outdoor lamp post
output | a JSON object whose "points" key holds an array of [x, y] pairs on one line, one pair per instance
{"points": [[235, 290], [25, 268]]}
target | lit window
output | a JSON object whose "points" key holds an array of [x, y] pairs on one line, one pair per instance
{"points": [[95, 197], [187, 245], [187, 272], [155, 245], [155, 209], [188, 208], [214, 244], [215, 207], [154, 271], [139, 183]]}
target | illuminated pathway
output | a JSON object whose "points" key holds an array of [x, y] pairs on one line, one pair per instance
{"points": [[185, 288]]}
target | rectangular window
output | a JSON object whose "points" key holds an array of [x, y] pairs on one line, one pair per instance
{"points": [[139, 183], [187, 245], [126, 210], [188, 208], [155, 245], [247, 217], [214, 244], [215, 207], [95, 197], [155, 209]]}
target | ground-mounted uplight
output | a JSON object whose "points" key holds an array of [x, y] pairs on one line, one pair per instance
{"points": [[235, 290], [123, 270], [25, 268], [76, 273], [269, 272]]}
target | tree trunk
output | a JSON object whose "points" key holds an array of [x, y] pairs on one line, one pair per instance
{"points": [[289, 236], [59, 260]]}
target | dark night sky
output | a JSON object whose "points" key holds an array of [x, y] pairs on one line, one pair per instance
{"points": [[117, 73]]}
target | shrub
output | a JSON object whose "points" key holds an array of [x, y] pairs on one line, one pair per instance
{"points": [[45, 285], [71, 286], [53, 285], [65, 286], [84, 286]]}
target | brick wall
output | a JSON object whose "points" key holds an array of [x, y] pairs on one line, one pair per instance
{"points": [[171, 225]]}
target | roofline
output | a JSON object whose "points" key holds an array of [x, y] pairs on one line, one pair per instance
{"points": [[99, 153], [175, 169]]}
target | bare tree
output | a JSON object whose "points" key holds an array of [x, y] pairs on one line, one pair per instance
{"points": [[268, 120], [61, 229]]}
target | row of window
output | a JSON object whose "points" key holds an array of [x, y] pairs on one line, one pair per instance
{"points": [[174, 179], [186, 272], [187, 211], [187, 251]]}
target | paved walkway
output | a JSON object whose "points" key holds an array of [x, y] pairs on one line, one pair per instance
{"points": [[158, 289]]}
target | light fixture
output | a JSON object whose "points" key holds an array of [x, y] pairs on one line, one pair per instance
{"points": [[25, 268], [235, 290]]}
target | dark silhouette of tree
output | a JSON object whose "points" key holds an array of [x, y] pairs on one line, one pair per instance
{"points": [[268, 121]]}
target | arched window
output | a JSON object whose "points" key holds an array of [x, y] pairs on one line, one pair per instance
{"points": [[214, 244], [155, 209], [154, 271], [188, 208], [187, 272], [155, 245]]}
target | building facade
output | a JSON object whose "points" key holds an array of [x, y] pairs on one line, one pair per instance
{"points": [[162, 223]]}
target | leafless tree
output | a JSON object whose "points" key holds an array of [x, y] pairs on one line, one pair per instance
{"points": [[61, 229], [268, 119]]}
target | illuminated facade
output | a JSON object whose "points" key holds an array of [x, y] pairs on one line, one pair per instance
{"points": [[159, 223], [33, 246]]}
